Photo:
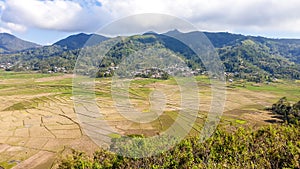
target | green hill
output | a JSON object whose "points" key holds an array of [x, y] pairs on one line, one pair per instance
{"points": [[80, 40], [253, 58]]}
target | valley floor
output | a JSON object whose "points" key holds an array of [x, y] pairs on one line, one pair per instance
{"points": [[38, 125]]}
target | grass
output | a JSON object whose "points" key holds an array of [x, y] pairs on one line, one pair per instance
{"points": [[7, 165], [114, 135], [24, 75], [20, 106], [29, 104], [286, 88], [203, 79], [18, 84], [239, 121], [28, 89], [143, 82], [4, 86], [139, 93]]}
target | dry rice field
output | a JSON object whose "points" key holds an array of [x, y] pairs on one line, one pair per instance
{"points": [[38, 125]]}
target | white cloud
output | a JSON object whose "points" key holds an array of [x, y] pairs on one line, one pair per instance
{"points": [[56, 15], [15, 27], [4, 30], [212, 15], [2, 5], [261, 15]]}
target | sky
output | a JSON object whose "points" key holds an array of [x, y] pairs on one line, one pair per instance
{"points": [[47, 21]]}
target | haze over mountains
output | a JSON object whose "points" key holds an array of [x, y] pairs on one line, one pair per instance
{"points": [[245, 56]]}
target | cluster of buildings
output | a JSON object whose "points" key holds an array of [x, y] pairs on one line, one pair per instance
{"points": [[180, 70], [153, 72], [160, 73], [58, 69], [6, 65], [21, 67]]}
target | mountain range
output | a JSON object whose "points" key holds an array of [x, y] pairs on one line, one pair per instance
{"points": [[9, 43], [80, 40], [250, 57]]}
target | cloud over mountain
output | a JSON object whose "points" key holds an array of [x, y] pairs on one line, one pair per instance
{"points": [[261, 15], [55, 15], [214, 15]]}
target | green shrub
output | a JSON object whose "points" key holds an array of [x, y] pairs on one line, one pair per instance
{"points": [[276, 146]]}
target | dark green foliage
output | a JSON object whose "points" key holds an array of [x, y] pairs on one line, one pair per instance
{"points": [[80, 40], [177, 46], [268, 147], [223, 39], [42, 59], [289, 113], [254, 61], [78, 161]]}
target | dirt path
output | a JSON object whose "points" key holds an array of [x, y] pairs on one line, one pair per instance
{"points": [[38, 161]]}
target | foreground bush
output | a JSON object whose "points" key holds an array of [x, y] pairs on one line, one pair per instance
{"points": [[268, 147], [289, 113]]}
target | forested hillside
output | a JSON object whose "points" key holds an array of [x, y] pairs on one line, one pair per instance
{"points": [[253, 58], [80, 40]]}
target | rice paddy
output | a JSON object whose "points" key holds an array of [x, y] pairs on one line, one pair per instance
{"points": [[38, 124]]}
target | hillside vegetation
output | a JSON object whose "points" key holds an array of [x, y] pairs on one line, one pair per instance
{"points": [[267, 147], [254, 58]]}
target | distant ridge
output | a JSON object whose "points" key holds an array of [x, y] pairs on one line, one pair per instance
{"points": [[150, 32], [10, 43], [173, 32], [247, 57], [80, 40]]}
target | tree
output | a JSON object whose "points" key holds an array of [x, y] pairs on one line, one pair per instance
{"points": [[289, 112]]}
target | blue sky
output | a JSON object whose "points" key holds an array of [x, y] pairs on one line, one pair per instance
{"points": [[46, 21]]}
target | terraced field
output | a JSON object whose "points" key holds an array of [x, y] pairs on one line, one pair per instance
{"points": [[38, 124]]}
